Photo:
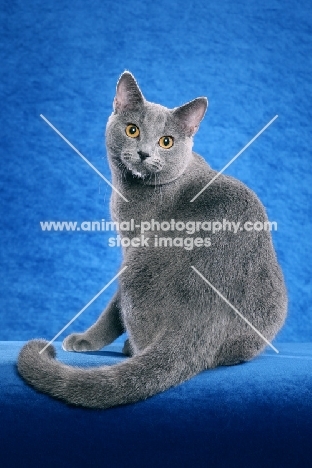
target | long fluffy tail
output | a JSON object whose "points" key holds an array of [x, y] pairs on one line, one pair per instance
{"points": [[101, 387]]}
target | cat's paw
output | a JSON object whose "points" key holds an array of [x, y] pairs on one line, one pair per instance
{"points": [[78, 342], [127, 348]]}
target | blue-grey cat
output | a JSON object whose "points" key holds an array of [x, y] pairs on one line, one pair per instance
{"points": [[177, 324]]}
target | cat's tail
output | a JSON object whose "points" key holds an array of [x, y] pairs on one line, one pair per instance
{"points": [[132, 380]]}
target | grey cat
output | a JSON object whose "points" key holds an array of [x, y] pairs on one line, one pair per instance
{"points": [[177, 325]]}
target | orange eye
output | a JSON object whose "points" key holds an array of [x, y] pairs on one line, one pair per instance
{"points": [[166, 142], [132, 131]]}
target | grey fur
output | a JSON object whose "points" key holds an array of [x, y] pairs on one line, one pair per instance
{"points": [[177, 325]]}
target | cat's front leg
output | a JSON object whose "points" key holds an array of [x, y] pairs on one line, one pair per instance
{"points": [[103, 332]]}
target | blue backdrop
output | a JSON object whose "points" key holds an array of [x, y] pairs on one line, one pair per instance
{"points": [[62, 59]]}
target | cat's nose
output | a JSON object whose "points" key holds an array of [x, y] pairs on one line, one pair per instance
{"points": [[143, 155]]}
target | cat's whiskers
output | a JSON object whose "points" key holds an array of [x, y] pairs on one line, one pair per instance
{"points": [[123, 170], [159, 186]]}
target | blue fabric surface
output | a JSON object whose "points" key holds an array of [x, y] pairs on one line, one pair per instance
{"points": [[62, 59], [252, 415]]}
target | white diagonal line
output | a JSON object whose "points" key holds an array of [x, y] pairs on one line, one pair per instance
{"points": [[233, 159], [235, 310], [83, 309], [82, 156]]}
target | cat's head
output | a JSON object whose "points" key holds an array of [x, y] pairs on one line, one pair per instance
{"points": [[148, 141]]}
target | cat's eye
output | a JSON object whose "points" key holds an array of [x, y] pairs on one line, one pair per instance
{"points": [[166, 142], [132, 131]]}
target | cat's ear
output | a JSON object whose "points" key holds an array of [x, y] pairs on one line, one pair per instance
{"points": [[191, 114], [128, 94]]}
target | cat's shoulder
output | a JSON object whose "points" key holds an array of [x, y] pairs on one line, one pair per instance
{"points": [[220, 188]]}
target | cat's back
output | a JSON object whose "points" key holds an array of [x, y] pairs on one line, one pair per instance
{"points": [[222, 195]]}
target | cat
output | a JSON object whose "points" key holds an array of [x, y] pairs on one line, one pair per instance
{"points": [[177, 325]]}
